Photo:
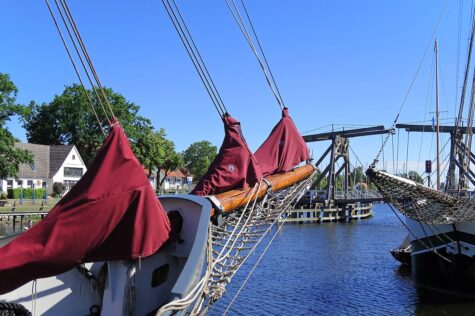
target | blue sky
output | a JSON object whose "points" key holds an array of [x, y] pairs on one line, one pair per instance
{"points": [[336, 62]]}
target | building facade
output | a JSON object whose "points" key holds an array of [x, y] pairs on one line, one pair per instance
{"points": [[51, 163], [176, 180]]}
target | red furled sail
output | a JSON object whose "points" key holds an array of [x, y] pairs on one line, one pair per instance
{"points": [[112, 213], [283, 149], [234, 167]]}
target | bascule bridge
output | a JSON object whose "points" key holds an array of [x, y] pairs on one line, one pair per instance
{"points": [[333, 203]]}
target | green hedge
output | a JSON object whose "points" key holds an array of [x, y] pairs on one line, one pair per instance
{"points": [[27, 193]]}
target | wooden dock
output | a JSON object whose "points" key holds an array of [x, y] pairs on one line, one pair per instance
{"points": [[21, 218]]}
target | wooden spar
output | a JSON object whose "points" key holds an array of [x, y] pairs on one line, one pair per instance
{"points": [[233, 199]]}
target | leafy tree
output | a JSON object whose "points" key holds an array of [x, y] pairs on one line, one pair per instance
{"points": [[357, 175], [149, 149], [412, 175], [172, 161], [198, 157], [322, 184], [158, 153], [69, 119], [10, 156]]}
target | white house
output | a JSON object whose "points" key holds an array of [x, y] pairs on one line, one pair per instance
{"points": [[55, 163], [176, 180]]}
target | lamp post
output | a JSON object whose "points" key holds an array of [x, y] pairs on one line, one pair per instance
{"points": [[33, 194], [21, 192]]}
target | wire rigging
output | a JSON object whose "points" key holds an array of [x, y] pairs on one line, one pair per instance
{"points": [[459, 121], [376, 159], [186, 38], [74, 65], [258, 52], [459, 40], [68, 29], [86, 54]]}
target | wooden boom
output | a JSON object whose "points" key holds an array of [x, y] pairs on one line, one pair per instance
{"points": [[233, 199]]}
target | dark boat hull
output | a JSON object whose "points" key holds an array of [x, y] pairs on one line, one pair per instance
{"points": [[403, 255], [454, 275]]}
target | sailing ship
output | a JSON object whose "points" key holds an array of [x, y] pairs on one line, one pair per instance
{"points": [[440, 221], [111, 247]]}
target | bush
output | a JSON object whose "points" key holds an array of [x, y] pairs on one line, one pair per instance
{"points": [[58, 189], [3, 196], [27, 193]]}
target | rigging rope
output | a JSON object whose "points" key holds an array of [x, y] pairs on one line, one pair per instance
{"points": [[185, 36], [459, 40], [75, 67], [86, 54], [81, 59], [271, 82], [459, 119], [231, 244], [393, 126]]}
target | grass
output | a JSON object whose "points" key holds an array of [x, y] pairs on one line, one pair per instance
{"points": [[28, 206]]}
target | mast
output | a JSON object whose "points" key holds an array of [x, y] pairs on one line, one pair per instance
{"points": [[437, 112], [456, 152]]}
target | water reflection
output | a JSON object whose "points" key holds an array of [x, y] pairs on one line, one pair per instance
{"points": [[336, 269]]}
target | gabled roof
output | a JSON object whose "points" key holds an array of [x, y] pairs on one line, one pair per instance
{"points": [[58, 153], [46, 160], [176, 173], [40, 168]]}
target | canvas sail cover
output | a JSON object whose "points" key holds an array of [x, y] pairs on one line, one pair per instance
{"points": [[234, 167], [112, 213], [283, 149]]}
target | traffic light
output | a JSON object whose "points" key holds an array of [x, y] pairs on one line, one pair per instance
{"points": [[428, 166]]}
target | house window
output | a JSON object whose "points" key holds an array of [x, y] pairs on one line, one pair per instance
{"points": [[74, 157], [9, 184], [68, 184], [30, 183], [72, 172]]}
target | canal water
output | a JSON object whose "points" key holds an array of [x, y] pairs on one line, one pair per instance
{"points": [[335, 269]]}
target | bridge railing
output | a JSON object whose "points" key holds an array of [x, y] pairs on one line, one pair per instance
{"points": [[355, 195]]}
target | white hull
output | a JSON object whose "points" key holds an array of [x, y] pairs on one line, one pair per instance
{"points": [[442, 236], [129, 287]]}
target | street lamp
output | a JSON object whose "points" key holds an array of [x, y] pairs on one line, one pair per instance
{"points": [[33, 194]]}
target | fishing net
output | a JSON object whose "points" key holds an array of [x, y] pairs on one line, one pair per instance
{"points": [[422, 203]]}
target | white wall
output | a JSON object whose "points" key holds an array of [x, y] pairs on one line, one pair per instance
{"points": [[3, 186], [72, 163]]}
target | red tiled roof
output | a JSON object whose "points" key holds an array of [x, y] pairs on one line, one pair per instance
{"points": [[176, 174]]}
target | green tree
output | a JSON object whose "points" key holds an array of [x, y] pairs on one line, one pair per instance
{"points": [[156, 153], [357, 175], [69, 119], [414, 176], [322, 184], [10, 156], [198, 157], [172, 161], [149, 149]]}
